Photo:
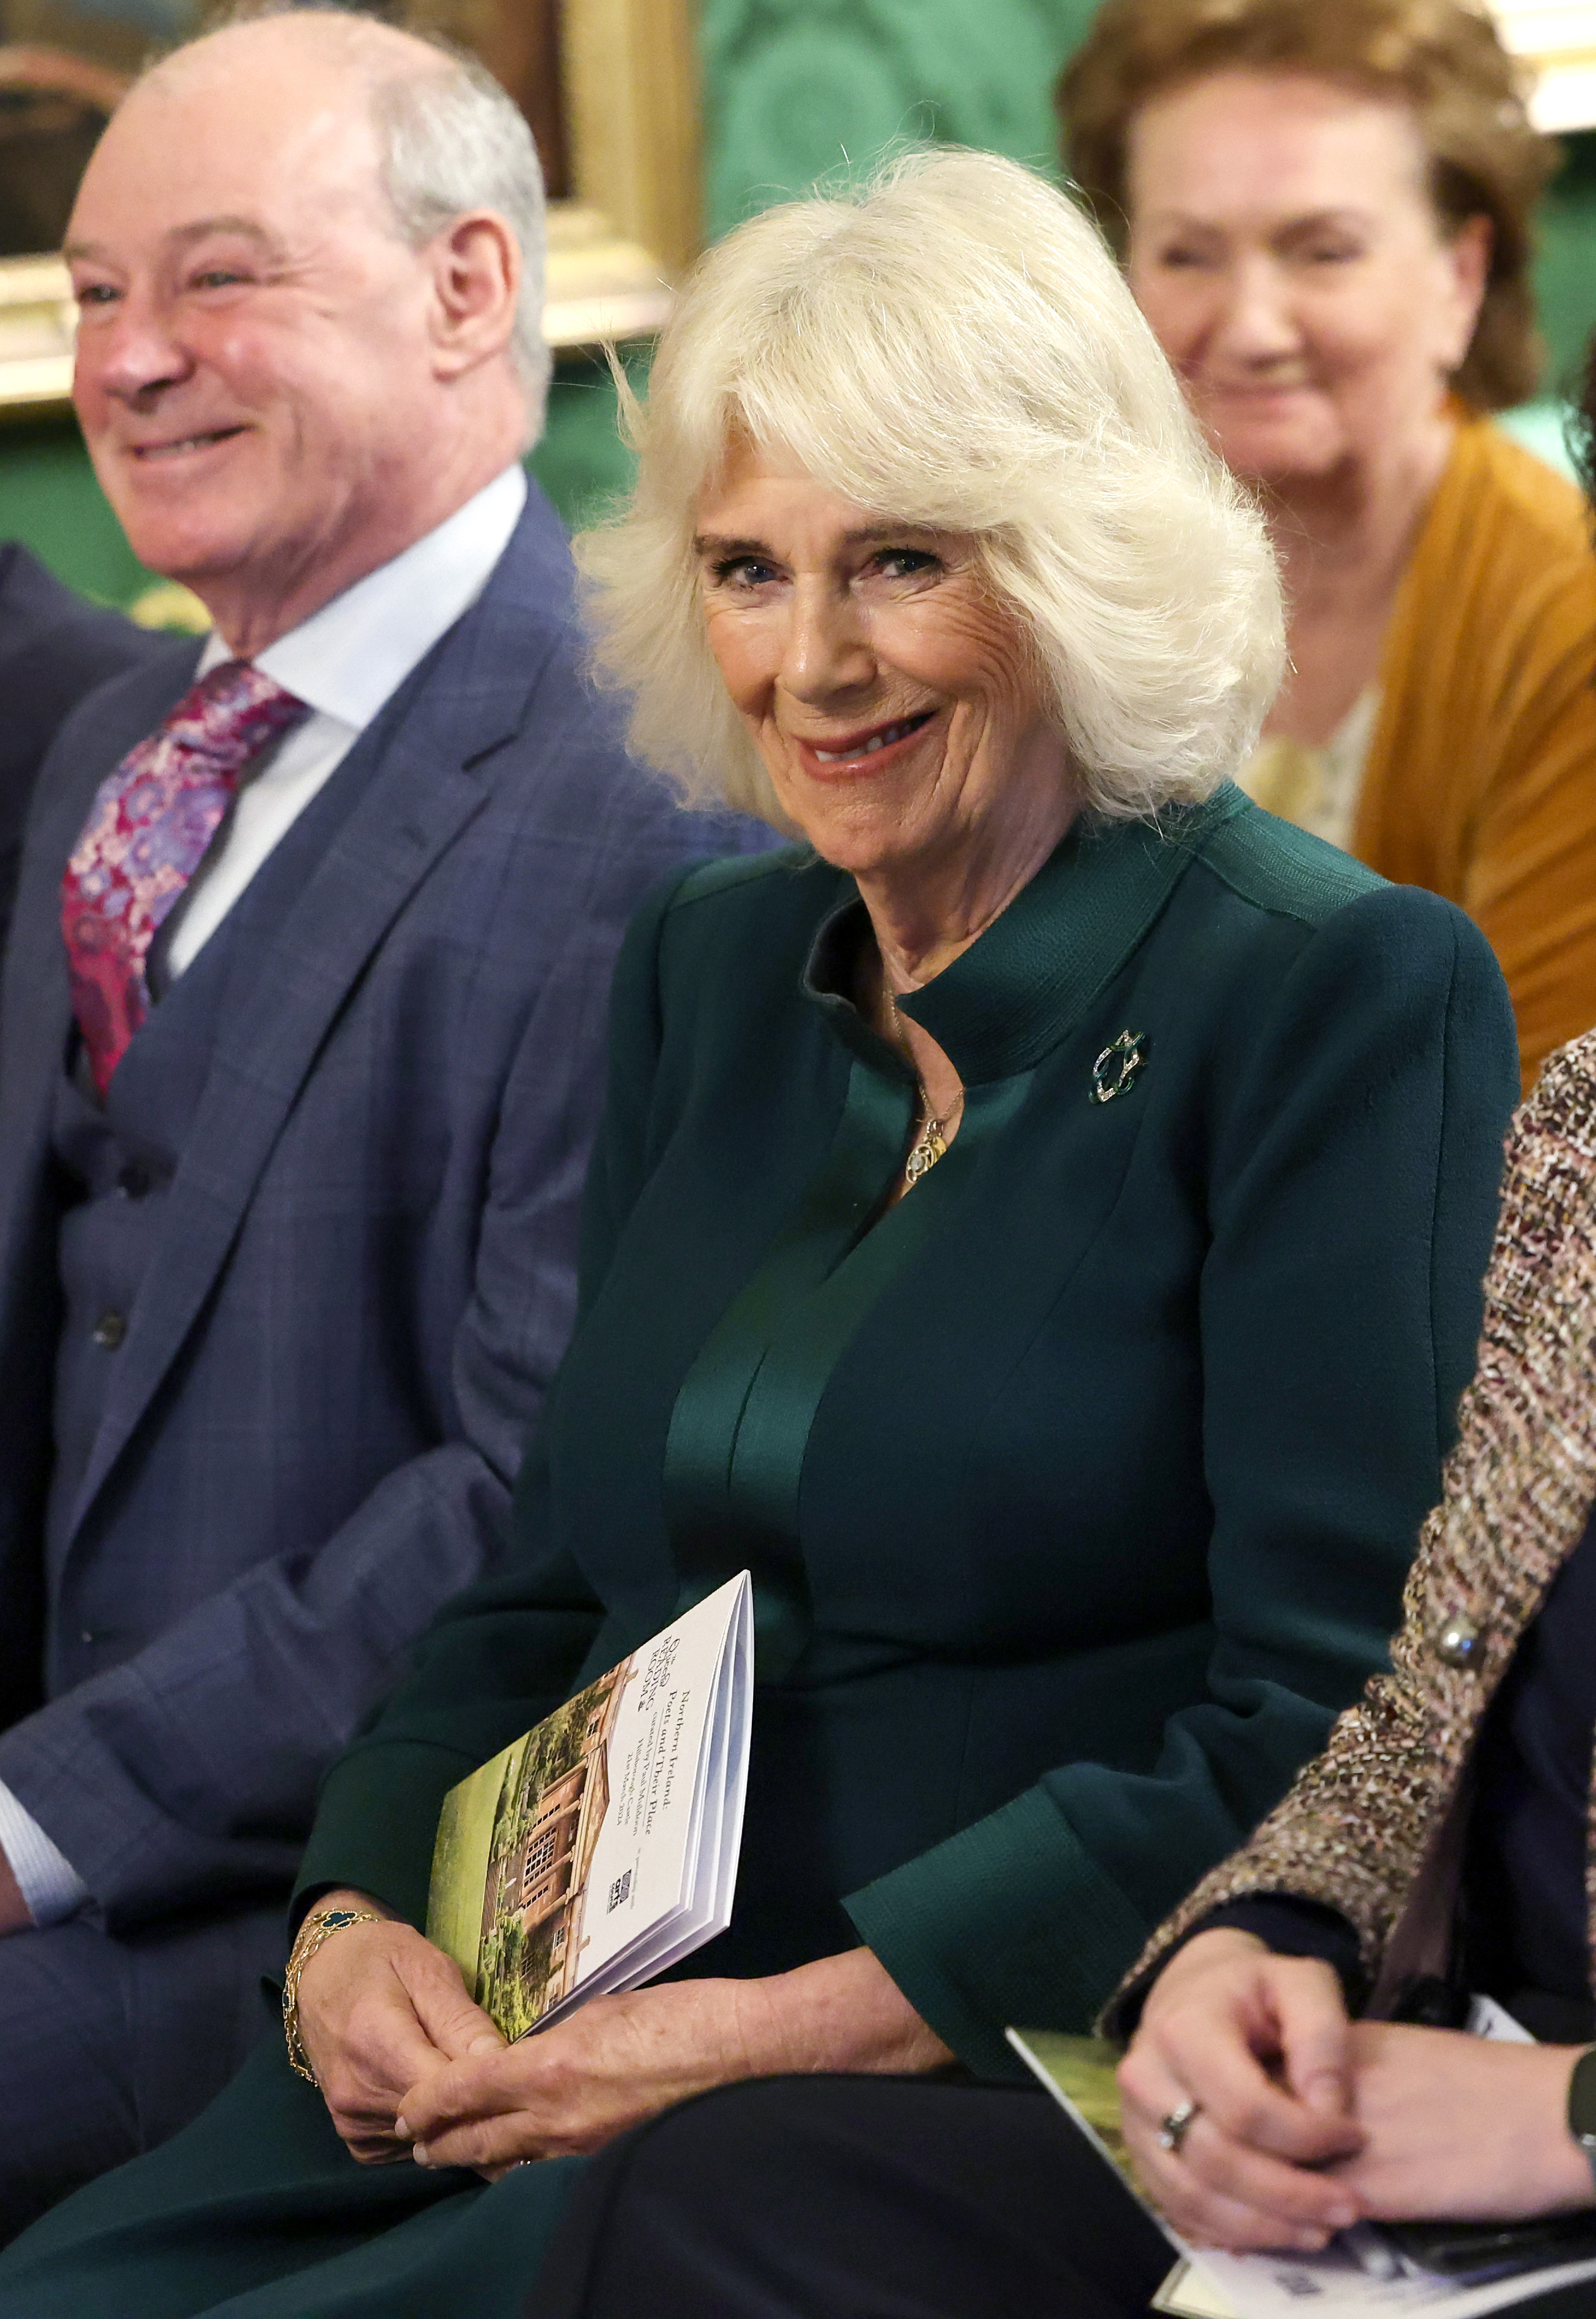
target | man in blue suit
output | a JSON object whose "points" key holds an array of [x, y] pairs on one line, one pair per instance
{"points": [[300, 1040]]}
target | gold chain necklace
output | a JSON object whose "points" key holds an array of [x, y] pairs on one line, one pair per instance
{"points": [[931, 1140], [930, 1143]]}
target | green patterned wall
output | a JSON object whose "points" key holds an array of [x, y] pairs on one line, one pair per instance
{"points": [[794, 90]]}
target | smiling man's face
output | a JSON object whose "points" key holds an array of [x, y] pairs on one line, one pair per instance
{"points": [[254, 372]]}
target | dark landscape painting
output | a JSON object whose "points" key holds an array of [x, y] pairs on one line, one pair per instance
{"points": [[64, 62]]}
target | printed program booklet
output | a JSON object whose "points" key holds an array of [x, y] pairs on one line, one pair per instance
{"points": [[602, 1846], [1373, 2271]]}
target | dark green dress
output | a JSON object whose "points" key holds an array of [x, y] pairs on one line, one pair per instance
{"points": [[1078, 1487]]}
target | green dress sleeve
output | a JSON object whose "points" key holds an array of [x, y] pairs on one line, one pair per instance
{"points": [[1364, 1105]]}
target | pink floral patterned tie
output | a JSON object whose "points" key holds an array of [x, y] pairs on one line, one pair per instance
{"points": [[146, 835]]}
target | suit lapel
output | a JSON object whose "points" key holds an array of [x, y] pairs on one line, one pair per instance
{"points": [[425, 784]]}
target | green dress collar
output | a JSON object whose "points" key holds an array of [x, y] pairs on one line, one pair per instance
{"points": [[1027, 981]]}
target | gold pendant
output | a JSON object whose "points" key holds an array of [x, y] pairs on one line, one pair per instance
{"points": [[925, 1154]]}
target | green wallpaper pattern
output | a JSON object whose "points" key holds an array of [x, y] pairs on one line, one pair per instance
{"points": [[795, 91], [1565, 276]]}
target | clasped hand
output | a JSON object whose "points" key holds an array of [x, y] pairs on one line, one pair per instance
{"points": [[410, 2067], [1308, 2122]]}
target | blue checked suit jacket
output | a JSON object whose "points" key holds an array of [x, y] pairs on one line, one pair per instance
{"points": [[366, 1273]]}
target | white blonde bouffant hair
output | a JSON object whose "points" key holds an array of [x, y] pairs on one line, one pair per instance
{"points": [[951, 347]]}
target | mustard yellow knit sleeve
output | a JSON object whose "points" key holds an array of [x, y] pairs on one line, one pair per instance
{"points": [[1531, 882], [1480, 782]]}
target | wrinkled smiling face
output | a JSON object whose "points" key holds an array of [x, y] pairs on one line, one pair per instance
{"points": [[253, 351], [890, 696], [1285, 251]]}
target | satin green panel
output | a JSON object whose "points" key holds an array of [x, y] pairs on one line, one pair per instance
{"points": [[734, 1453]]}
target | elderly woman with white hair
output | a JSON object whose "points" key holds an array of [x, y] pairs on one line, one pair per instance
{"points": [[1037, 1231]]}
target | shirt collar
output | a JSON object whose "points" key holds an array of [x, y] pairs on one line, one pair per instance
{"points": [[1028, 979], [353, 655]]}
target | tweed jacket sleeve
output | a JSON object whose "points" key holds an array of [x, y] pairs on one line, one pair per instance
{"points": [[1372, 1828]]}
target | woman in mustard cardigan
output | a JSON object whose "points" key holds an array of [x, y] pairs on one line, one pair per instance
{"points": [[1324, 213]]}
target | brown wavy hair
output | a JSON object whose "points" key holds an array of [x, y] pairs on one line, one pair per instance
{"points": [[1441, 58]]}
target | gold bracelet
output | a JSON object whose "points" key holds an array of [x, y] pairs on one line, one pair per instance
{"points": [[318, 1926]]}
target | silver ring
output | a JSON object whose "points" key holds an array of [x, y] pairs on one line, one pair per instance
{"points": [[1173, 2130]]}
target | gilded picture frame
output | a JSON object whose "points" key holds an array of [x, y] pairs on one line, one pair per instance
{"points": [[629, 170]]}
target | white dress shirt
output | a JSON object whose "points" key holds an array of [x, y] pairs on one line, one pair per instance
{"points": [[344, 661]]}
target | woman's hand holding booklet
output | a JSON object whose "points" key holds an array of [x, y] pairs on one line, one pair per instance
{"points": [[602, 1847], [1367, 2270]]}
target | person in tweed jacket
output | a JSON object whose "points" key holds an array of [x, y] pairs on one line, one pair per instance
{"points": [[1441, 1843]]}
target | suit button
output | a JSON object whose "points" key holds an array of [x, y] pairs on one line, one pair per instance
{"points": [[133, 1181], [110, 1330], [1460, 1644]]}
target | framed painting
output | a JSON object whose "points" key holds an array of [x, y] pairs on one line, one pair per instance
{"points": [[609, 86]]}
